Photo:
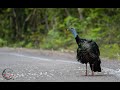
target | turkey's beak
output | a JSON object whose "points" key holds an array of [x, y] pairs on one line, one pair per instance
{"points": [[67, 29]]}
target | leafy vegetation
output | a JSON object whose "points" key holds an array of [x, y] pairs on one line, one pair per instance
{"points": [[46, 28]]}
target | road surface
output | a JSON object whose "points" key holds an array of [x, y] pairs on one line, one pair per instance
{"points": [[51, 66]]}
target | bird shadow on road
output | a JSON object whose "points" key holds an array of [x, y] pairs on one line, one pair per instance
{"points": [[100, 75]]}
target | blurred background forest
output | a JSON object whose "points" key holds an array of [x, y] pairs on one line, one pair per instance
{"points": [[45, 28]]}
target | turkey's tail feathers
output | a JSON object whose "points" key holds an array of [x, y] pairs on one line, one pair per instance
{"points": [[96, 67]]}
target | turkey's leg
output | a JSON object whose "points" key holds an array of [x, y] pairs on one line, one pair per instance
{"points": [[92, 69], [86, 69]]}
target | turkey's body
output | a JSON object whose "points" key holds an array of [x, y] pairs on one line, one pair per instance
{"points": [[88, 52]]}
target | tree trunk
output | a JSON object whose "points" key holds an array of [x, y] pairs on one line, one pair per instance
{"points": [[67, 12], [46, 23], [80, 13], [14, 25]]}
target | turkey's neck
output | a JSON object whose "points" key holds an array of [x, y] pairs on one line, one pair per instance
{"points": [[77, 38], [74, 33]]}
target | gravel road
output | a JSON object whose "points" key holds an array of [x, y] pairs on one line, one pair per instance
{"points": [[30, 65]]}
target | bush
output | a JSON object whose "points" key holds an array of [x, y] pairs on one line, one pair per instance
{"points": [[29, 45], [111, 51], [2, 42]]}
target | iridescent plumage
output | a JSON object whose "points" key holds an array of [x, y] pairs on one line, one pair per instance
{"points": [[87, 52]]}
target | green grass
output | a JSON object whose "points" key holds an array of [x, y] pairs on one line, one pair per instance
{"points": [[110, 51]]}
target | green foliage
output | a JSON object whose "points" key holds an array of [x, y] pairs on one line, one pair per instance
{"points": [[2, 42], [110, 51], [29, 45], [53, 40], [46, 28], [94, 34]]}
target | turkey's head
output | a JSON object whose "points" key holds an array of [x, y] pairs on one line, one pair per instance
{"points": [[73, 31]]}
